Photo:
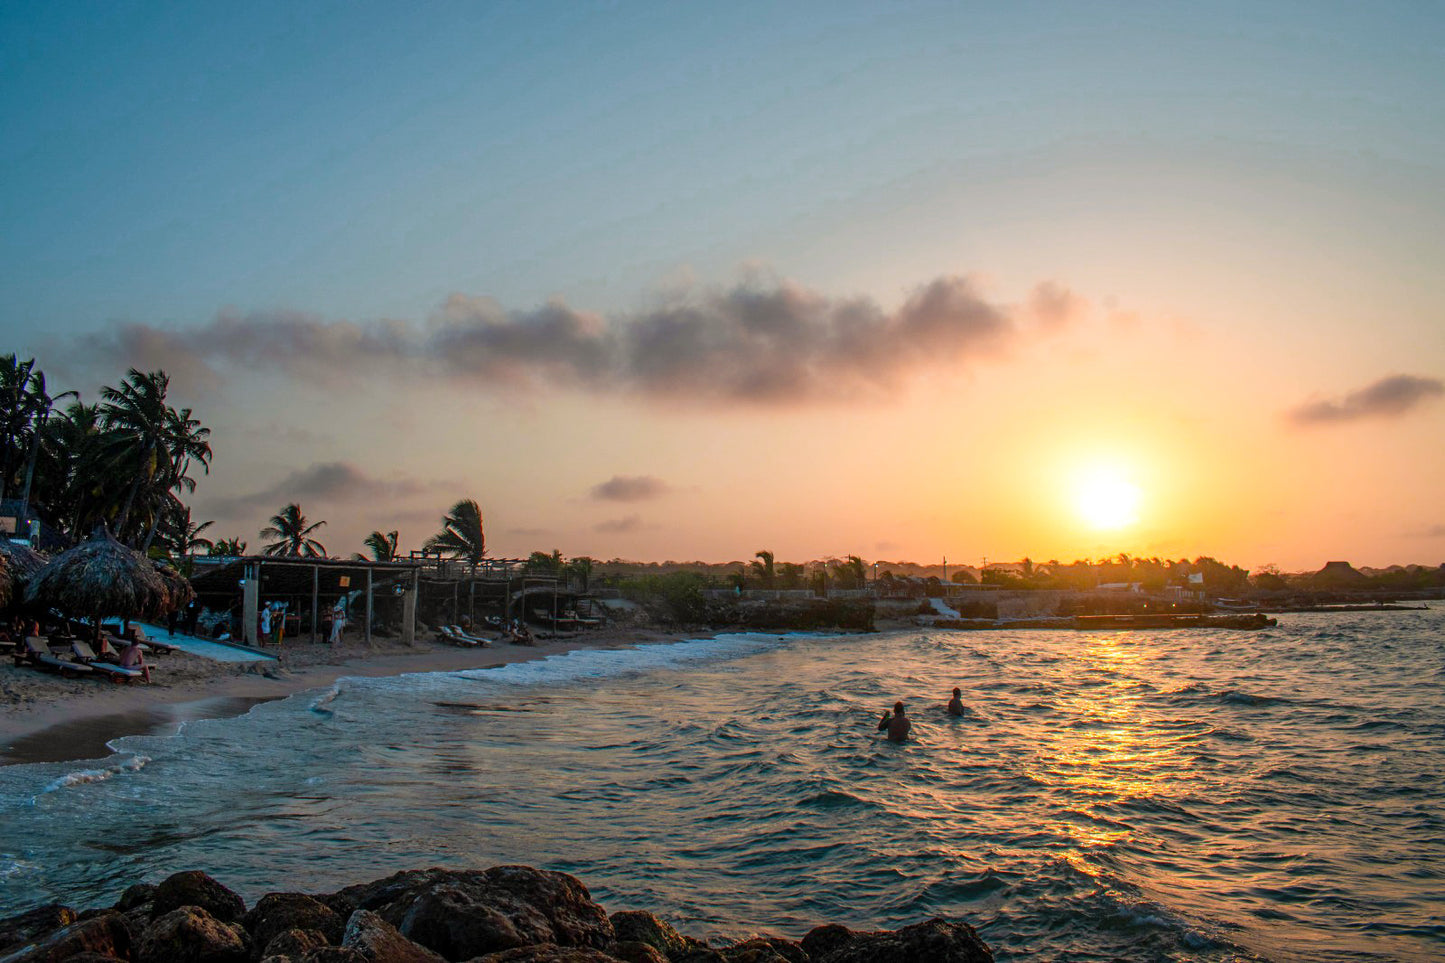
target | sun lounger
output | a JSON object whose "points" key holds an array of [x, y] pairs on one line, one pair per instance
{"points": [[445, 634], [460, 632], [84, 653], [36, 654], [138, 633]]}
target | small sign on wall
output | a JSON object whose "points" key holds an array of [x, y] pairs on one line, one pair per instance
{"points": [[346, 581]]}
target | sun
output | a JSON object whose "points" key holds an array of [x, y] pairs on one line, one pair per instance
{"points": [[1106, 499]]}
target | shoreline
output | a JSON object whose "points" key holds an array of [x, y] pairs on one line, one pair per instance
{"points": [[57, 720]]}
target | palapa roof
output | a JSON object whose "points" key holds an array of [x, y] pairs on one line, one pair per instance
{"points": [[101, 577], [24, 560], [177, 587], [7, 582]]}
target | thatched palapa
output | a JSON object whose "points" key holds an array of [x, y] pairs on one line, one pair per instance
{"points": [[7, 582], [101, 577], [24, 560], [178, 588]]}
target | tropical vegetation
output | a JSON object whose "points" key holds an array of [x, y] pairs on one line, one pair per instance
{"points": [[293, 535], [125, 461], [461, 535]]}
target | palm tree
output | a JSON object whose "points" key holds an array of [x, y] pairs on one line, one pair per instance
{"points": [[228, 546], [40, 404], [138, 414], [292, 534], [14, 413], [382, 546], [763, 567], [461, 535]]}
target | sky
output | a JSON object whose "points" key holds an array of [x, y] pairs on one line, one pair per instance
{"points": [[687, 281]]}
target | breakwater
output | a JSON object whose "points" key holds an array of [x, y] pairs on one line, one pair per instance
{"points": [[506, 914]]}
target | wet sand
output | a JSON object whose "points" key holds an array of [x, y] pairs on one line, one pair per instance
{"points": [[49, 719]]}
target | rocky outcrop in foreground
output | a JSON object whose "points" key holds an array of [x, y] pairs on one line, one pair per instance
{"points": [[506, 914]]}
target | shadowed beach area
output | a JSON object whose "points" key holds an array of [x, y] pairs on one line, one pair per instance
{"points": [[51, 719]]}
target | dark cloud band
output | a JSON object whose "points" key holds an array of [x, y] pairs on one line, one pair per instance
{"points": [[1387, 398], [760, 343]]}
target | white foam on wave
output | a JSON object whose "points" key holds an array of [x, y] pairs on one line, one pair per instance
{"points": [[584, 664], [82, 776]]}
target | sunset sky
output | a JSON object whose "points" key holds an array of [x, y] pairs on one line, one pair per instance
{"points": [[685, 281]]}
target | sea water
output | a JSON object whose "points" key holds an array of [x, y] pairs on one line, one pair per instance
{"points": [[1181, 795]]}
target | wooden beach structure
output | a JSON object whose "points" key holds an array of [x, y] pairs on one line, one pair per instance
{"points": [[399, 591]]}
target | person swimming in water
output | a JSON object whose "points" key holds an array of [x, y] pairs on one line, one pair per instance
{"points": [[897, 725], [955, 705]]}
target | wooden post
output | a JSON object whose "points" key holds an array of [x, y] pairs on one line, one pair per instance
{"points": [[315, 594], [472, 602], [408, 612], [250, 602], [368, 605]]}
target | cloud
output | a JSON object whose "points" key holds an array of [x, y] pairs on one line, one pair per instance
{"points": [[762, 341], [620, 526], [336, 481], [1389, 397], [1430, 531], [629, 488], [1054, 306]]}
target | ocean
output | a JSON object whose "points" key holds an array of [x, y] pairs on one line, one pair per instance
{"points": [[1186, 795]]}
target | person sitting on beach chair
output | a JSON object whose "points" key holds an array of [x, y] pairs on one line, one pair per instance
{"points": [[132, 658]]}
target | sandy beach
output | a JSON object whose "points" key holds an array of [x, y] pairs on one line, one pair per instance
{"points": [[48, 718]]}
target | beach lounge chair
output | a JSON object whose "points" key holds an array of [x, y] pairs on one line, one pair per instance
{"points": [[139, 634], [460, 632], [37, 655], [445, 634], [85, 654]]}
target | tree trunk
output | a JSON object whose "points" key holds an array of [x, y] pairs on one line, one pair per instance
{"points": [[30, 467], [134, 490]]}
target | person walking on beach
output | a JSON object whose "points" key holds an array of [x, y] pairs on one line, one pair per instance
{"points": [[955, 705]]}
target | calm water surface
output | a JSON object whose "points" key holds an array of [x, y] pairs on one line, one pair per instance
{"points": [[1191, 795]]}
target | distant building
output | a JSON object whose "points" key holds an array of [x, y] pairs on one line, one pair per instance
{"points": [[1339, 575], [30, 530]]}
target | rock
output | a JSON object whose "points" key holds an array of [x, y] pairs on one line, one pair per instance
{"points": [[765, 949], [106, 935], [642, 927], [333, 954], [293, 943], [698, 952], [380, 942], [27, 927], [275, 913], [189, 934], [463, 914], [631, 951], [937, 940], [195, 888], [141, 894], [548, 953]]}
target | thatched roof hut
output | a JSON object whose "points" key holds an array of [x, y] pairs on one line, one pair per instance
{"points": [[101, 577], [24, 560], [7, 582], [178, 588]]}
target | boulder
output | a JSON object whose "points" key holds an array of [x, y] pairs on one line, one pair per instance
{"points": [[380, 942], [766, 949], [641, 927], [631, 951], [195, 888], [107, 935], [937, 940], [27, 927], [275, 913], [333, 954], [134, 897], [189, 934], [463, 914], [548, 953], [293, 943]]}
